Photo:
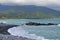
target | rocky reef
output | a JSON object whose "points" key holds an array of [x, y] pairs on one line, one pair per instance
{"points": [[38, 24]]}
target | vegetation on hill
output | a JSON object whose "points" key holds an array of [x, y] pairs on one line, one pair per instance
{"points": [[22, 12]]}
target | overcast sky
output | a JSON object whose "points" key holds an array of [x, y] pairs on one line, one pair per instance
{"points": [[50, 3]]}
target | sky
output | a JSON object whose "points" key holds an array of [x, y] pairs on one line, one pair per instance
{"points": [[55, 4]]}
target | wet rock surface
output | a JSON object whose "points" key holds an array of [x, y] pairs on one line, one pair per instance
{"points": [[4, 27], [10, 37]]}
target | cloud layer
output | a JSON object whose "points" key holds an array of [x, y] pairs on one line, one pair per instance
{"points": [[31, 2], [55, 4]]}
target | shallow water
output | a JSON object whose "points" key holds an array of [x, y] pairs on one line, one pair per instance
{"points": [[35, 32]]}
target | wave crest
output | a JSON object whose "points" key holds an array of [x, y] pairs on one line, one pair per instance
{"points": [[19, 31]]}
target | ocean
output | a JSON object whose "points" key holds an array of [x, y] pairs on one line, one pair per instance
{"points": [[35, 32]]}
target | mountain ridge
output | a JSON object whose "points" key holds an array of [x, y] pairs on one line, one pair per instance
{"points": [[28, 11]]}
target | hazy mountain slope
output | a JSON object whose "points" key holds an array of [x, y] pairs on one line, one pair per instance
{"points": [[27, 11]]}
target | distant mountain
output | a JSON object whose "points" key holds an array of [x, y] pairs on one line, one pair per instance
{"points": [[27, 11]]}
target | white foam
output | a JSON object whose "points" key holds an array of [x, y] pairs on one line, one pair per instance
{"points": [[3, 22], [58, 24], [18, 31]]}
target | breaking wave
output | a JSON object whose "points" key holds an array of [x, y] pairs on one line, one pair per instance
{"points": [[19, 31], [58, 24]]}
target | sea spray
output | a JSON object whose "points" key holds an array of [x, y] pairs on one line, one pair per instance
{"points": [[19, 31], [58, 25]]}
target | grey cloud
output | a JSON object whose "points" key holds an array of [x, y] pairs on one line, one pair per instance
{"points": [[31, 2], [55, 4]]}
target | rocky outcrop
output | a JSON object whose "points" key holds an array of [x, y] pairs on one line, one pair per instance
{"points": [[38, 24], [4, 27]]}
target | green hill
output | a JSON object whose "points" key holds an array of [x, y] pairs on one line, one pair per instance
{"points": [[23, 12]]}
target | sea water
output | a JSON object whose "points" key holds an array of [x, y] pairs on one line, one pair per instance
{"points": [[35, 32]]}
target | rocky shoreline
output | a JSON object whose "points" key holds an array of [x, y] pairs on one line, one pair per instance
{"points": [[4, 27], [5, 35], [11, 37]]}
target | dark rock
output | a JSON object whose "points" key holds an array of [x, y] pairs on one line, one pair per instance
{"points": [[38, 24], [4, 27], [52, 24], [11, 37]]}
